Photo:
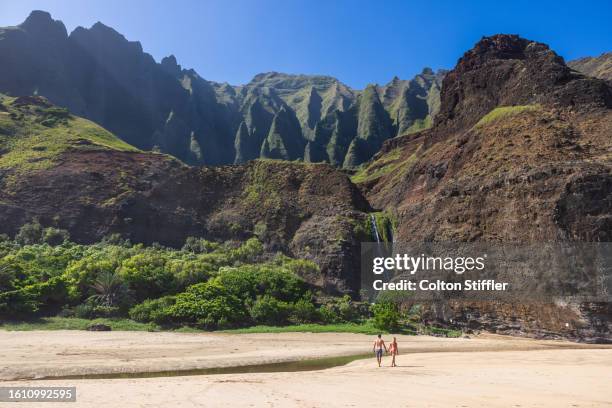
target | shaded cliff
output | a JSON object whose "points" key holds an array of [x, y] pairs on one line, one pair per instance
{"points": [[100, 75]]}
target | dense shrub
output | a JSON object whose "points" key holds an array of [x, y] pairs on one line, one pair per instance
{"points": [[115, 239], [36, 299], [304, 311], [83, 273], [340, 310], [199, 245], [30, 234], [253, 280], [146, 275], [209, 305], [188, 272], [270, 311], [205, 284], [91, 310], [34, 233], [386, 316], [17, 304], [248, 252], [7, 278], [329, 315], [153, 310], [306, 270], [55, 236]]}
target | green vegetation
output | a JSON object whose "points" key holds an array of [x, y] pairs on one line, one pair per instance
{"points": [[34, 133], [389, 163], [74, 323], [118, 324], [386, 316], [363, 328], [384, 165], [262, 189], [420, 124], [205, 285], [48, 282], [504, 112], [385, 223]]}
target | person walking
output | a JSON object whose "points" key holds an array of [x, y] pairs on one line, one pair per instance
{"points": [[394, 351], [379, 346]]}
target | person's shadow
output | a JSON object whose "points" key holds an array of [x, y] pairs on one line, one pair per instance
{"points": [[407, 366]]}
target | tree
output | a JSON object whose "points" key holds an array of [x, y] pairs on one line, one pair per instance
{"points": [[199, 245], [30, 234], [386, 316], [110, 289], [7, 275], [147, 276], [55, 236], [209, 305]]}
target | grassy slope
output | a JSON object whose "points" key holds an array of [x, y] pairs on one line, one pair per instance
{"points": [[32, 136], [502, 112], [394, 162]]}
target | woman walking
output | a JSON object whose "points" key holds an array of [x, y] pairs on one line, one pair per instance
{"points": [[394, 351]]}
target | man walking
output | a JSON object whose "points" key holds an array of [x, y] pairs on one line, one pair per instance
{"points": [[379, 345]]}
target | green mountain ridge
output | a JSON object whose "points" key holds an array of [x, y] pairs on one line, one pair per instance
{"points": [[98, 74], [330, 115]]}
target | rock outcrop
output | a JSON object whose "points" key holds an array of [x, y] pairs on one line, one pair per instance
{"points": [[519, 153]]}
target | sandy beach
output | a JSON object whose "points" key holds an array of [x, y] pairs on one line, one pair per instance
{"points": [[485, 371]]}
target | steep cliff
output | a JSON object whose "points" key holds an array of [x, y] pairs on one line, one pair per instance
{"points": [[520, 152], [100, 75]]}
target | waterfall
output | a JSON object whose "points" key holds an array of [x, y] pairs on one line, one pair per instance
{"points": [[374, 228], [377, 238]]}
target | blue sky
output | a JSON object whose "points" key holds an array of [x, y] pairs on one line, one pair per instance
{"points": [[359, 42]]}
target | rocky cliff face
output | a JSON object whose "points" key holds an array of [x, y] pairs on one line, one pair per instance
{"points": [[100, 75], [69, 172], [598, 67], [519, 152]]}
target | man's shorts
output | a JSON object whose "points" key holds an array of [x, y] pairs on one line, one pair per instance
{"points": [[379, 353]]}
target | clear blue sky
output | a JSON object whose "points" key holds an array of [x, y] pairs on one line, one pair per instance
{"points": [[358, 42]]}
